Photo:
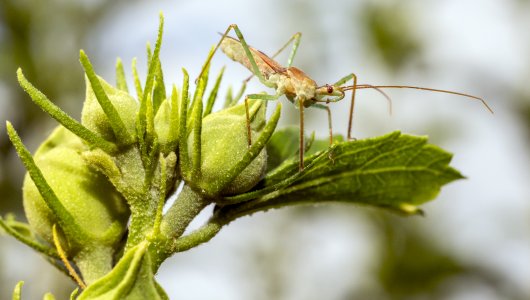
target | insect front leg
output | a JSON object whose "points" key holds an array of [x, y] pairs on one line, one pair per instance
{"points": [[265, 97], [341, 82]]}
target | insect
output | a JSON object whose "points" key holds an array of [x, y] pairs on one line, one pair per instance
{"points": [[297, 86]]}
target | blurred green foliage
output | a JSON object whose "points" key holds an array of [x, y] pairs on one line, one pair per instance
{"points": [[34, 37], [43, 38], [414, 265], [389, 31]]}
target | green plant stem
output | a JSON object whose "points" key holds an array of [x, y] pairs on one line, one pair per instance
{"points": [[162, 195], [143, 214], [199, 236], [187, 206], [161, 252]]}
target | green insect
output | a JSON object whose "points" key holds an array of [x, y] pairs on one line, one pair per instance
{"points": [[297, 86]]}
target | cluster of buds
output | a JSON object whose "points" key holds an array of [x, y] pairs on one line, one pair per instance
{"points": [[95, 190]]}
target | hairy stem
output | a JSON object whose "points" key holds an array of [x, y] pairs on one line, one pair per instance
{"points": [[187, 206]]}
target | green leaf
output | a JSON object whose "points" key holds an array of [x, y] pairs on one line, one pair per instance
{"points": [[132, 278], [282, 146], [195, 126], [58, 114], [95, 117], [137, 81], [121, 82], [183, 128], [74, 294], [394, 171], [48, 296], [323, 144], [154, 62], [65, 219], [17, 292], [159, 91], [213, 94], [142, 117], [22, 232], [114, 118]]}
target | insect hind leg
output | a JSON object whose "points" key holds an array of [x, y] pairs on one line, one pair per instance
{"points": [[250, 57], [295, 39]]}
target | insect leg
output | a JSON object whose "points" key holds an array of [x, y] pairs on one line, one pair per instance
{"points": [[354, 87], [344, 79], [249, 55], [296, 39], [296, 42], [301, 151]]}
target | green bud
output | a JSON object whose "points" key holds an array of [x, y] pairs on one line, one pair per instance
{"points": [[163, 124], [95, 119], [87, 195], [224, 142]]}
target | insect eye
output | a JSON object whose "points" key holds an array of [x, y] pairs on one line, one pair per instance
{"points": [[330, 88]]}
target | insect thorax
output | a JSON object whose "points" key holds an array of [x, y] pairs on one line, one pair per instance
{"points": [[301, 88]]}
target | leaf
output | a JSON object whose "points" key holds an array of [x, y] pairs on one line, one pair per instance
{"points": [[17, 292], [22, 232], [394, 171], [113, 110], [323, 144], [132, 278], [283, 145], [48, 296], [121, 82], [58, 114]]}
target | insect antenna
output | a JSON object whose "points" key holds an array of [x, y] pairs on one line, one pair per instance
{"points": [[367, 86], [378, 89]]}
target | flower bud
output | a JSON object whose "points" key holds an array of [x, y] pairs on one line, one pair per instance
{"points": [[87, 195], [95, 119], [224, 142]]}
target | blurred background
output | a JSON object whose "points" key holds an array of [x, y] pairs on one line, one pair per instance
{"points": [[474, 242]]}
